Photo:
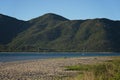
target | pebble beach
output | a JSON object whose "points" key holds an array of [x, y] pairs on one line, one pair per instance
{"points": [[44, 69]]}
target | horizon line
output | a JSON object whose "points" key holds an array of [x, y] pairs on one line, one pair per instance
{"points": [[61, 16]]}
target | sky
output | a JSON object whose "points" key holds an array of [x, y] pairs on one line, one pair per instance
{"points": [[71, 9]]}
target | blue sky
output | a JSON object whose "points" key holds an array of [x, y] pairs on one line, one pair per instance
{"points": [[71, 9]]}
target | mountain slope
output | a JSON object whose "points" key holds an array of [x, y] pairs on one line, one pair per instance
{"points": [[71, 35], [10, 27], [36, 32], [52, 32]]}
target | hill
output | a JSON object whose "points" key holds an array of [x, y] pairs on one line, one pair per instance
{"points": [[52, 32], [10, 27]]}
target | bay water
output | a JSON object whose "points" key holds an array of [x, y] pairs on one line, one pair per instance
{"points": [[18, 56]]}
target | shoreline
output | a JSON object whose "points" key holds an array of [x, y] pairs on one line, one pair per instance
{"points": [[56, 52], [44, 69], [21, 56]]}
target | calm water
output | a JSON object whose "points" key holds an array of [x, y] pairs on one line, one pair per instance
{"points": [[16, 56]]}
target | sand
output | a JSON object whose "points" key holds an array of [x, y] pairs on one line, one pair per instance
{"points": [[44, 69]]}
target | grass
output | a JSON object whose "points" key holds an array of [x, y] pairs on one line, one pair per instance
{"points": [[79, 67], [109, 70]]}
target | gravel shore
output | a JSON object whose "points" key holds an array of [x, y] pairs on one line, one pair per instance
{"points": [[44, 69]]}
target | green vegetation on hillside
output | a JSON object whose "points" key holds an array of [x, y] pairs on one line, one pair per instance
{"points": [[10, 28], [52, 32]]}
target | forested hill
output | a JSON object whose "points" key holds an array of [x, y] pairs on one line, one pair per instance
{"points": [[10, 27], [51, 32]]}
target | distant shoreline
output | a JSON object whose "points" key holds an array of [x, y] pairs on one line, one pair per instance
{"points": [[60, 52]]}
